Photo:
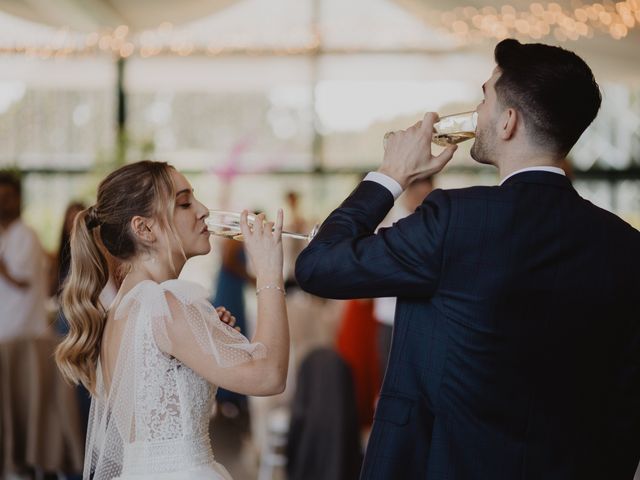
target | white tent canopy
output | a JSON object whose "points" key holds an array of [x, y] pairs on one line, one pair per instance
{"points": [[348, 70], [298, 27], [258, 86], [89, 15]]}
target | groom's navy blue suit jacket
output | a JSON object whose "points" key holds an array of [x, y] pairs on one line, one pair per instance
{"points": [[516, 346]]}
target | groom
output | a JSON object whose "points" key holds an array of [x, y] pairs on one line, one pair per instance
{"points": [[516, 346]]}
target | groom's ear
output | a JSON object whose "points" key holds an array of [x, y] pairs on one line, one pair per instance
{"points": [[509, 122]]}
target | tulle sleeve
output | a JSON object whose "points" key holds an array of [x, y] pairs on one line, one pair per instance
{"points": [[153, 323], [185, 321]]}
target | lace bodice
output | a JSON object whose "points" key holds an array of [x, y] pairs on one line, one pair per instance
{"points": [[171, 400], [155, 417]]}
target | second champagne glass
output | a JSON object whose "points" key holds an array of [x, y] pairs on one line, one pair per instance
{"points": [[227, 224]]}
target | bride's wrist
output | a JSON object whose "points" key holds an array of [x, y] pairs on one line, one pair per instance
{"points": [[263, 280]]}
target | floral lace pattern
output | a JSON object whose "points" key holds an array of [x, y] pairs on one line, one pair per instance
{"points": [[155, 418]]}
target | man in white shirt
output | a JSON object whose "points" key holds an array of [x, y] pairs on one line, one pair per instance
{"points": [[22, 269], [516, 346]]}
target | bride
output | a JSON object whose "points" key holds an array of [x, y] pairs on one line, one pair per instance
{"points": [[155, 357]]}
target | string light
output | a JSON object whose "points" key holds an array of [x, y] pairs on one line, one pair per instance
{"points": [[538, 20], [467, 24]]}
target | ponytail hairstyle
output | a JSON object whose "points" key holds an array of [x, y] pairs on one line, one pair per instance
{"points": [[139, 189]]}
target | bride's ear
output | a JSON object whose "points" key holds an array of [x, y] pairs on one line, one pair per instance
{"points": [[141, 228]]}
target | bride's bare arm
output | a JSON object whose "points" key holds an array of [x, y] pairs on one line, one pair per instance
{"points": [[258, 370]]}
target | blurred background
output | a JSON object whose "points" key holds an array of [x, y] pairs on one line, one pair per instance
{"points": [[270, 103]]}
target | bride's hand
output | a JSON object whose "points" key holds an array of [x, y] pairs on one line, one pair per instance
{"points": [[227, 317], [263, 242]]}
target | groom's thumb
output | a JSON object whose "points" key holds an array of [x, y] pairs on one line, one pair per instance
{"points": [[445, 155]]}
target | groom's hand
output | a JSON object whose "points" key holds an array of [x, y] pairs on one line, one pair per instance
{"points": [[407, 155]]}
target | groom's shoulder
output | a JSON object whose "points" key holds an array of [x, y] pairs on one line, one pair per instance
{"points": [[469, 201], [475, 193]]}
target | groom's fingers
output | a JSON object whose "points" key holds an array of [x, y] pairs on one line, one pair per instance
{"points": [[430, 118], [445, 155]]}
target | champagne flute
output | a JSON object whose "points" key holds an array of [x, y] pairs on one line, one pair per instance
{"points": [[227, 224], [451, 129], [456, 128]]}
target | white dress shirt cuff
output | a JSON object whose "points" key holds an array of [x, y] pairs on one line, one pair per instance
{"points": [[387, 182]]}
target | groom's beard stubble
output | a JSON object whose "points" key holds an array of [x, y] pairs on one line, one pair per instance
{"points": [[482, 150]]}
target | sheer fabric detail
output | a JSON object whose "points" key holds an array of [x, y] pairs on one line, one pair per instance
{"points": [[155, 417], [169, 456]]}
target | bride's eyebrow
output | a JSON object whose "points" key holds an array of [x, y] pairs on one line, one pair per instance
{"points": [[186, 190]]}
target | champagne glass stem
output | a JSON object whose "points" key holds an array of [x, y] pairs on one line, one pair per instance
{"points": [[299, 236]]}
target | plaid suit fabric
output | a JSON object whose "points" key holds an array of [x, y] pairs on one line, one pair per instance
{"points": [[516, 346]]}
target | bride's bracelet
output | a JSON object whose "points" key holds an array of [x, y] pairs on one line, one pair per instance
{"points": [[270, 287]]}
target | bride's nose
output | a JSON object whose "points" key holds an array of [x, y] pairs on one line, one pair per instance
{"points": [[203, 212]]}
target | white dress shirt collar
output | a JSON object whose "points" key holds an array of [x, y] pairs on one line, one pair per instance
{"points": [[557, 170]]}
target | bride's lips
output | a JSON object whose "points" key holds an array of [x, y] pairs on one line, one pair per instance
{"points": [[204, 230]]}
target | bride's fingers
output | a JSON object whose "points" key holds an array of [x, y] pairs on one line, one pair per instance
{"points": [[279, 221], [225, 315], [258, 225], [244, 225], [268, 227]]}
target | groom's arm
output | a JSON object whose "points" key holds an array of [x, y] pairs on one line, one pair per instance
{"points": [[347, 259]]}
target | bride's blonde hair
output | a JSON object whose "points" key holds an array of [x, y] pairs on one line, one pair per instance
{"points": [[140, 189]]}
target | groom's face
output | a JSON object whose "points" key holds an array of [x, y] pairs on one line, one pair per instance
{"points": [[484, 149]]}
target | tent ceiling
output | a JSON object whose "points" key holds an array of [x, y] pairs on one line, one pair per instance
{"points": [[88, 15], [416, 25], [612, 58]]}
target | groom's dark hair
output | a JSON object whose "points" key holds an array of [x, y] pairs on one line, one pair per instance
{"points": [[552, 88]]}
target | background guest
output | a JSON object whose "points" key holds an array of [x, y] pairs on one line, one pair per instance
{"points": [[22, 268], [356, 344], [232, 279], [297, 223]]}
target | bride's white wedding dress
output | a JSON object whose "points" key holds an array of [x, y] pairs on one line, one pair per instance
{"points": [[152, 421]]}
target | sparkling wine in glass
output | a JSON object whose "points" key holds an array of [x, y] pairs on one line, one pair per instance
{"points": [[456, 128], [450, 129], [227, 224]]}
